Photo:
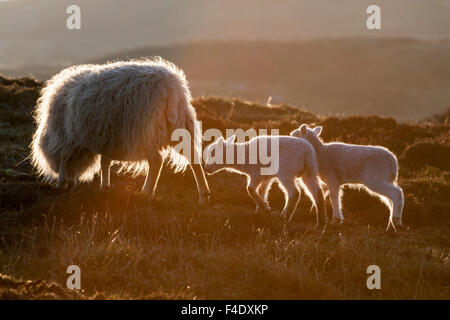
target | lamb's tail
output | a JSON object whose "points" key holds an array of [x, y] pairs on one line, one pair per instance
{"points": [[311, 166], [311, 180], [394, 168]]}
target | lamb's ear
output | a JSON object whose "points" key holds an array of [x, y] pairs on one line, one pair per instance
{"points": [[303, 128], [317, 130], [231, 139]]}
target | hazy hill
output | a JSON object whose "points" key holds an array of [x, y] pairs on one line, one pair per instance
{"points": [[402, 78]]}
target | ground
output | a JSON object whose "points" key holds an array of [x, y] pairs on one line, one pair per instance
{"points": [[130, 247]]}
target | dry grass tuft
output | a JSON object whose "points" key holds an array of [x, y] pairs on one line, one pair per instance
{"points": [[128, 247]]}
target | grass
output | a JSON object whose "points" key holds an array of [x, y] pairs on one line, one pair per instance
{"points": [[170, 248]]}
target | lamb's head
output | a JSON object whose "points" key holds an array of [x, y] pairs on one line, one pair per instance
{"points": [[216, 155], [306, 132]]}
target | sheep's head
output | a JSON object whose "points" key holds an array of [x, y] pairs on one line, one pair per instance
{"points": [[215, 154], [306, 132]]}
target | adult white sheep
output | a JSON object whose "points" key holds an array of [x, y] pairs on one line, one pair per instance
{"points": [[341, 163], [90, 115]]}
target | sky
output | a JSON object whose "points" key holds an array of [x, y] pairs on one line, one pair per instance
{"points": [[34, 32]]}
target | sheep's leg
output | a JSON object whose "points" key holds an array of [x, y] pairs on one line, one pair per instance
{"points": [[252, 186], [334, 192], [292, 197], [62, 174], [396, 200], [262, 192], [312, 184], [154, 170], [202, 184], [195, 162], [105, 172]]}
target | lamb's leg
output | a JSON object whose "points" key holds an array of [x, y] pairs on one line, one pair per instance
{"points": [[398, 201], [334, 192], [292, 197], [105, 172], [395, 196], [62, 174], [312, 184], [262, 192], [252, 186], [154, 170]]}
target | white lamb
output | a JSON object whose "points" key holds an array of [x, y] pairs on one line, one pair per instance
{"points": [[372, 166], [305, 167]]}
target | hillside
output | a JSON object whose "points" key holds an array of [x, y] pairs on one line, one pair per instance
{"points": [[400, 78], [128, 247]]}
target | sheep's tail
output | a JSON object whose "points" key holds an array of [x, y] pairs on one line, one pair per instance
{"points": [[41, 158]]}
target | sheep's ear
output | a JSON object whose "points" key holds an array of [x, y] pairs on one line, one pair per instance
{"points": [[317, 130], [303, 128], [231, 139]]}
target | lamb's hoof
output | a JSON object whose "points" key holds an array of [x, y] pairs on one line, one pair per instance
{"points": [[204, 200], [267, 211], [396, 225], [320, 225]]}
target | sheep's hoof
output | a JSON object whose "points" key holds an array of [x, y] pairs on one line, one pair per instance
{"points": [[267, 210], [61, 184], [337, 221]]}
